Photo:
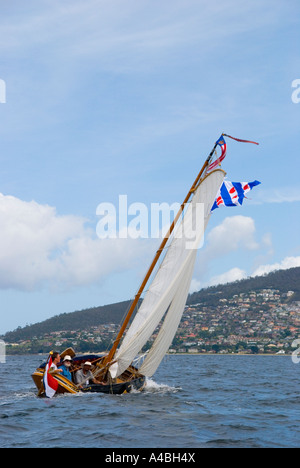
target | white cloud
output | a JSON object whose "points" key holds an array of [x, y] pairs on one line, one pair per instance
{"points": [[233, 233], [279, 195], [236, 233], [40, 248], [235, 274], [285, 264], [195, 286]]}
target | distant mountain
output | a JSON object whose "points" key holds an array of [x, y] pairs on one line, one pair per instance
{"points": [[79, 320], [282, 280]]}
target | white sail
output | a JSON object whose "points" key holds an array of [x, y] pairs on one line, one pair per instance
{"points": [[169, 288], [171, 323]]}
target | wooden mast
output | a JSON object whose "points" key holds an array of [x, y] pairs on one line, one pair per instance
{"points": [[112, 352]]}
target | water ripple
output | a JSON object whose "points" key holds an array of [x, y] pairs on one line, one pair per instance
{"points": [[204, 401]]}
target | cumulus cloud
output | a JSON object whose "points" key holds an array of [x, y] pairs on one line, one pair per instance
{"points": [[285, 264], [235, 274], [233, 234], [40, 248]]}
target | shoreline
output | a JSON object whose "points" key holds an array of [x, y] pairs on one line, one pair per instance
{"points": [[227, 354]]}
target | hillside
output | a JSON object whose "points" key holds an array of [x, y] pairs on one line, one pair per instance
{"points": [[282, 280], [79, 320]]}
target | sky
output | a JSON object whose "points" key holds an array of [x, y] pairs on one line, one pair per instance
{"points": [[100, 99]]}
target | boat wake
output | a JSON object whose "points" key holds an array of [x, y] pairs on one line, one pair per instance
{"points": [[154, 387], [16, 396]]}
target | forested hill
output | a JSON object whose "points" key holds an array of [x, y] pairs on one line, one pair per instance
{"points": [[282, 280], [79, 320]]}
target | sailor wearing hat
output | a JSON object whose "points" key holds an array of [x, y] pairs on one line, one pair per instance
{"points": [[67, 363], [84, 375]]}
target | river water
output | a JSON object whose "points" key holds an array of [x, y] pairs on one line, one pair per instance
{"points": [[193, 401]]}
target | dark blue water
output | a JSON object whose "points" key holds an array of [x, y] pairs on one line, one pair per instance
{"points": [[192, 402]]}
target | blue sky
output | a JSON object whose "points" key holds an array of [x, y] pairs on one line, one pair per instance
{"points": [[105, 98]]}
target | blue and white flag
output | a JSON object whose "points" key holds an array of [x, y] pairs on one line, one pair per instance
{"points": [[233, 193]]}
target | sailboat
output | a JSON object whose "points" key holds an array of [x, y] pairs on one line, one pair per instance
{"points": [[168, 282]]}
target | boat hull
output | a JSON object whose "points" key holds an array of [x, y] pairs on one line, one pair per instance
{"points": [[117, 388], [65, 386], [130, 380]]}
